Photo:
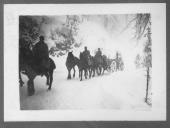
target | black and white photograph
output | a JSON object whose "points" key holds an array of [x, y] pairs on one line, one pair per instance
{"points": [[86, 61]]}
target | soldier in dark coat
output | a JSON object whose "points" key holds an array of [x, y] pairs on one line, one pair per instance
{"points": [[99, 52], [41, 54], [86, 52]]}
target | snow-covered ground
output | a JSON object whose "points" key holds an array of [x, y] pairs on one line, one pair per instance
{"points": [[118, 90]]}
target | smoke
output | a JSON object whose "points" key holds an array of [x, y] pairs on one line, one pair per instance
{"points": [[96, 31], [49, 25], [95, 34]]}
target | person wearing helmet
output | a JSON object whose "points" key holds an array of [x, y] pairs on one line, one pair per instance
{"points": [[41, 54]]}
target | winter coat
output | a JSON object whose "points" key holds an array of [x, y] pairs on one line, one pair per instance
{"points": [[41, 54], [86, 53], [98, 53]]}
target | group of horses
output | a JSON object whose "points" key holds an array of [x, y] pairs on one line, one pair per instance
{"points": [[90, 65]]}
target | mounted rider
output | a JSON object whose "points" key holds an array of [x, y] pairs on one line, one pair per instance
{"points": [[41, 54], [99, 53], [86, 52]]}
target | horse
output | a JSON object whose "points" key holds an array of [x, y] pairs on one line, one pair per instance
{"points": [[105, 65], [91, 66], [99, 63], [84, 65], [71, 62], [27, 66]]}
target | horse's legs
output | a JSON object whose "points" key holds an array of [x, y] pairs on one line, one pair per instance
{"points": [[47, 76], [74, 71], [51, 79], [80, 74], [90, 72], [69, 74], [98, 70], [85, 73], [103, 70], [31, 89], [31, 76], [94, 71]]}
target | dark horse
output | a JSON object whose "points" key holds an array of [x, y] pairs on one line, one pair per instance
{"points": [[91, 66], [71, 62], [83, 65], [100, 64], [27, 65], [105, 63]]}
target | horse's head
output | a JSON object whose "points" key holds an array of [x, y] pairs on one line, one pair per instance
{"points": [[70, 55]]}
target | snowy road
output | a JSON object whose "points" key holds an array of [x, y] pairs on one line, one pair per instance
{"points": [[118, 90]]}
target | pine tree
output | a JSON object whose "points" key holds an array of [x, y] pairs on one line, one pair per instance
{"points": [[28, 29], [148, 60], [142, 25], [65, 39]]}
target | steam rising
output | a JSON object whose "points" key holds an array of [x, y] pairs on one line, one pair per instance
{"points": [[96, 31]]}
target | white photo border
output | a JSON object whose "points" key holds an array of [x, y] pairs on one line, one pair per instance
{"points": [[12, 110]]}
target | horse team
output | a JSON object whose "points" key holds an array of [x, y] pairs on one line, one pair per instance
{"points": [[87, 64]]}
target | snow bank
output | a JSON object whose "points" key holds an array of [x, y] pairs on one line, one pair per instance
{"points": [[119, 90]]}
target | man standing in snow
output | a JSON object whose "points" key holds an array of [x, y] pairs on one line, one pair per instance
{"points": [[41, 54]]}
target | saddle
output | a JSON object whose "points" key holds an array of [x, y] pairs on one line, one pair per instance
{"points": [[42, 66]]}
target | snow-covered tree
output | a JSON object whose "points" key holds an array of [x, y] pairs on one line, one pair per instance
{"points": [[142, 25], [143, 29], [65, 37], [29, 29], [148, 58], [119, 61], [147, 50]]}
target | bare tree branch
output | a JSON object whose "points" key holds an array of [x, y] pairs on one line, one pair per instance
{"points": [[127, 26]]}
